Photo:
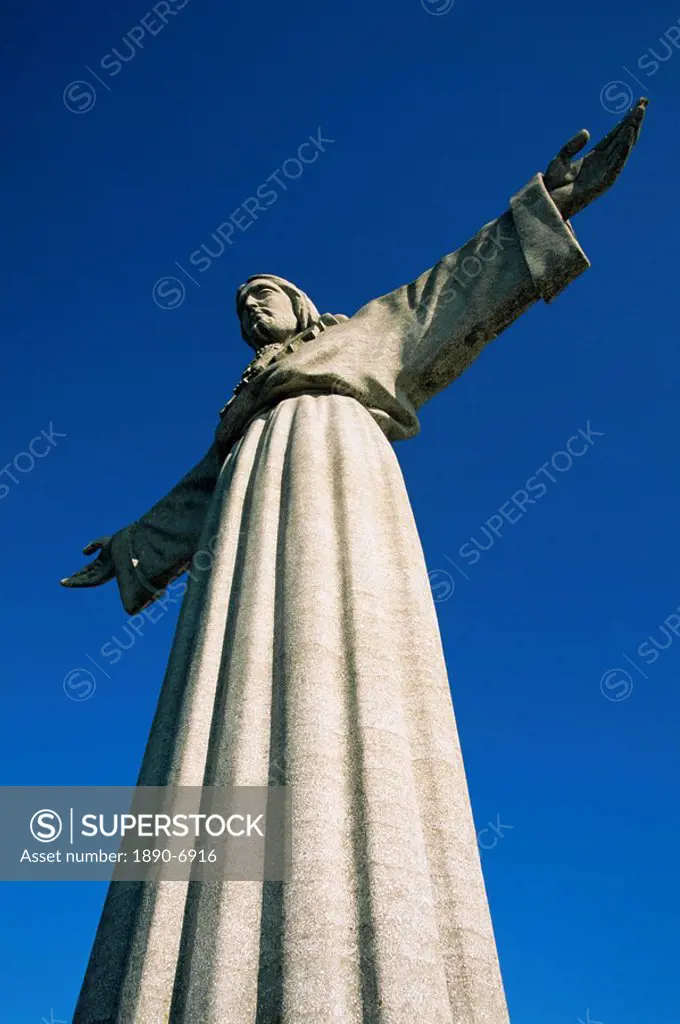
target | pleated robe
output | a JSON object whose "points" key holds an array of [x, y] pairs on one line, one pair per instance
{"points": [[308, 654]]}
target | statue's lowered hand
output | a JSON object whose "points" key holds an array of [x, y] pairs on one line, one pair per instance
{"points": [[101, 570], [573, 184]]}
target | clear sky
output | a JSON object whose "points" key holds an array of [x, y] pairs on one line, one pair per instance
{"points": [[436, 119]]}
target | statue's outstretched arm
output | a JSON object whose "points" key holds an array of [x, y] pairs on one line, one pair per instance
{"points": [[432, 329], [145, 556]]}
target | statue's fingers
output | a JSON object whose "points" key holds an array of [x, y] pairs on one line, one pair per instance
{"points": [[78, 579], [611, 153], [619, 150], [90, 576], [639, 112], [618, 136], [636, 115], [613, 137], [618, 155], [94, 545], [610, 164], [575, 145]]}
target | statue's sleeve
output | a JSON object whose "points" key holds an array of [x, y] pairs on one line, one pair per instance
{"points": [[159, 546], [432, 329]]}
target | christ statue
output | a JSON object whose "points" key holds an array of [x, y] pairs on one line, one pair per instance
{"points": [[307, 654]]}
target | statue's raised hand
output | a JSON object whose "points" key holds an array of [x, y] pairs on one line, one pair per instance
{"points": [[573, 184], [97, 572]]}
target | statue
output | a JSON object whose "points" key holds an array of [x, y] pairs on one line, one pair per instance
{"points": [[308, 654]]}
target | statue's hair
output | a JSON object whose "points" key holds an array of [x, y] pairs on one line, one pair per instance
{"points": [[305, 311]]}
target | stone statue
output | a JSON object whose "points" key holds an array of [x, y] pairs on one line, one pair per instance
{"points": [[307, 653]]}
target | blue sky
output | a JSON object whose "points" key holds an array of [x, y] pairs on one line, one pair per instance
{"points": [[436, 119]]}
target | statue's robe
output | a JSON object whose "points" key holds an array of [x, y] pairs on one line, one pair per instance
{"points": [[308, 653]]}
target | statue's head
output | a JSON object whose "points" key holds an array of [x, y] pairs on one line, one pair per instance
{"points": [[271, 309]]}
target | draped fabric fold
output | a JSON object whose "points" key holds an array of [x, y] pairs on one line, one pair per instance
{"points": [[340, 691]]}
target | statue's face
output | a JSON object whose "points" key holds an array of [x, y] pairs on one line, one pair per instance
{"points": [[267, 314]]}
